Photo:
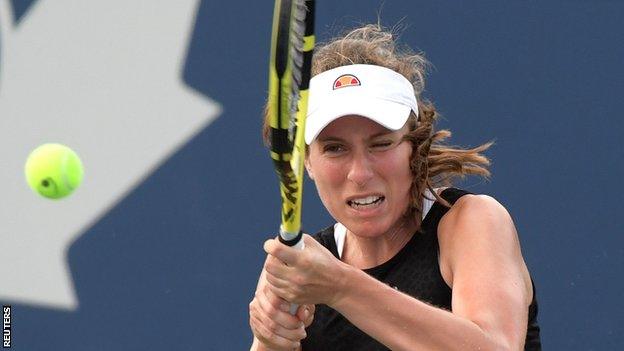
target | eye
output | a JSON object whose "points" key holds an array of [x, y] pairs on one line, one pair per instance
{"points": [[382, 145], [333, 148]]}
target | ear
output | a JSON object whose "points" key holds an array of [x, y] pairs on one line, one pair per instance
{"points": [[308, 167]]}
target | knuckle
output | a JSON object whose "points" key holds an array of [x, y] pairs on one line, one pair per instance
{"points": [[272, 312], [298, 280], [270, 280], [273, 299], [289, 296], [257, 295], [260, 334], [303, 262], [278, 248], [297, 289], [267, 335], [272, 326], [275, 251]]}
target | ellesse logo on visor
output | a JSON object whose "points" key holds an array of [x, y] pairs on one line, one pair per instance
{"points": [[346, 80]]}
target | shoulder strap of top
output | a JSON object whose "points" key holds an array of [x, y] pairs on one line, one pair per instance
{"points": [[326, 238], [453, 194], [438, 210]]}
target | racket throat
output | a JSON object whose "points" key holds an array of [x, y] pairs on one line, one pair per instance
{"points": [[291, 239]]}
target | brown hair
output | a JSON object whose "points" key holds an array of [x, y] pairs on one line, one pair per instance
{"points": [[432, 163]]}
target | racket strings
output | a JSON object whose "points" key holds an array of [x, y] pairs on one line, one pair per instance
{"points": [[298, 29]]}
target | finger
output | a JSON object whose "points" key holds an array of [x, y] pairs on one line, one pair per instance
{"points": [[305, 313], [284, 289], [272, 326], [277, 301], [283, 252], [310, 316], [302, 312], [271, 339], [309, 241], [277, 282], [289, 294], [278, 313], [290, 334], [277, 330], [276, 266]]}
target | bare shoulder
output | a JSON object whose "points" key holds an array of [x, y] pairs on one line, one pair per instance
{"points": [[478, 231], [472, 214], [483, 206]]}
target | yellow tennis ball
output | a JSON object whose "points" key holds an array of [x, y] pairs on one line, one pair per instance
{"points": [[53, 171]]}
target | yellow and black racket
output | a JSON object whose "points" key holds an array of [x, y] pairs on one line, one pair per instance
{"points": [[292, 43]]}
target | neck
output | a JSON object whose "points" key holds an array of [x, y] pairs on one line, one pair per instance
{"points": [[364, 252]]}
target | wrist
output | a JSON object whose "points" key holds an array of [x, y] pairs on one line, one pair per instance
{"points": [[258, 346], [254, 345], [343, 284]]}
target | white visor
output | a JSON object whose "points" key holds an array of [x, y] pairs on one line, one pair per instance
{"points": [[375, 92]]}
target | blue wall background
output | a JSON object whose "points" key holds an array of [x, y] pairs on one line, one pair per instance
{"points": [[174, 266]]}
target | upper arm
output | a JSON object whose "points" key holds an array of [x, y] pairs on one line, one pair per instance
{"points": [[481, 260]]}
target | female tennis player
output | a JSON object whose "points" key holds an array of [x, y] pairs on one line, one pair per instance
{"points": [[411, 262]]}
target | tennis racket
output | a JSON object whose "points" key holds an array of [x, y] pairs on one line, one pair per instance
{"points": [[292, 43]]}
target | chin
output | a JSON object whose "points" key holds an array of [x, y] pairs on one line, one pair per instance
{"points": [[366, 229]]}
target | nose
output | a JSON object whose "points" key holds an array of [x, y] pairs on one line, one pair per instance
{"points": [[360, 168]]}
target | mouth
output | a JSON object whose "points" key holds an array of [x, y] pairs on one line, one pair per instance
{"points": [[366, 202]]}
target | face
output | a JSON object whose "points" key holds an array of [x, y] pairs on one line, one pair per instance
{"points": [[361, 171]]}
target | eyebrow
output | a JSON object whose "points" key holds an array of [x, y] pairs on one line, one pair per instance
{"points": [[376, 135]]}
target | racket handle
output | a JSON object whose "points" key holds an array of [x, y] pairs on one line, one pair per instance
{"points": [[291, 239], [296, 241], [293, 309]]}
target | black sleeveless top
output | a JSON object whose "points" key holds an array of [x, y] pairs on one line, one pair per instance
{"points": [[414, 270]]}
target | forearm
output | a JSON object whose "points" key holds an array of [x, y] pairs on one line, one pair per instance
{"points": [[402, 322]]}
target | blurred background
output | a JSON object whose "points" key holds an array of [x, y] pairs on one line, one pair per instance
{"points": [[161, 246]]}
